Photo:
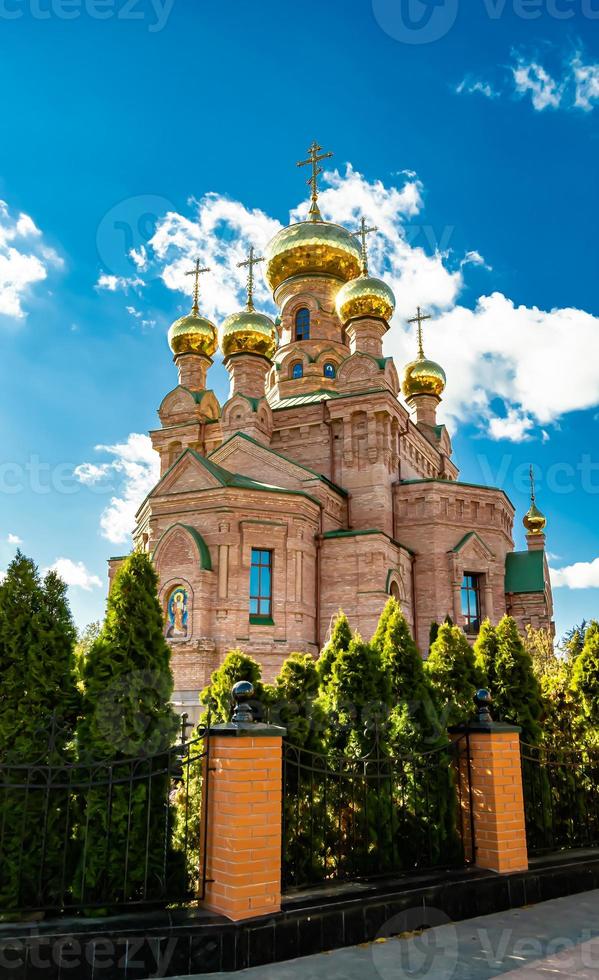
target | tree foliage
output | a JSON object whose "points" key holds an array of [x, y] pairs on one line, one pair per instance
{"points": [[502, 656], [453, 674]]}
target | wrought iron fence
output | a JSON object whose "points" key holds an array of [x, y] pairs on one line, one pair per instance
{"points": [[359, 818], [105, 835], [561, 798]]}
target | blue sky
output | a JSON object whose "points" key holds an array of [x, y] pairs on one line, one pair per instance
{"points": [[467, 129]]}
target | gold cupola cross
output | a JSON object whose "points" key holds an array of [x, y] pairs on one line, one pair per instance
{"points": [[313, 160], [249, 263], [419, 319], [361, 234], [197, 272]]}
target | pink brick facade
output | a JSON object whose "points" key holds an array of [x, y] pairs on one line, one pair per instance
{"points": [[354, 495]]}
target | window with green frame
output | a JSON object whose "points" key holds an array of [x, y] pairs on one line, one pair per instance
{"points": [[261, 585]]}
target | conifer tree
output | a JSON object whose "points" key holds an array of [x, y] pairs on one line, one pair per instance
{"points": [[453, 674], [340, 639], [585, 684], [295, 705], [127, 715], [392, 607], [355, 697], [38, 708], [502, 656], [236, 666], [414, 717]]}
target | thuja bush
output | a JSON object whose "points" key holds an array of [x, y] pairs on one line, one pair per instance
{"points": [[125, 827], [501, 655], [38, 709], [216, 696], [453, 675]]}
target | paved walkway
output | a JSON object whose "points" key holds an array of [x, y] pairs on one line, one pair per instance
{"points": [[555, 939]]}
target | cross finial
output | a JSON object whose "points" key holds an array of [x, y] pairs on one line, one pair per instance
{"points": [[532, 484], [361, 234], [250, 262], [419, 319], [313, 160], [197, 272]]}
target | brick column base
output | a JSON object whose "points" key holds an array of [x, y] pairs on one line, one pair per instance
{"points": [[497, 798], [243, 846]]}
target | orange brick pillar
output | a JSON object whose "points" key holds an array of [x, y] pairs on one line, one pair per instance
{"points": [[244, 801], [496, 797]]}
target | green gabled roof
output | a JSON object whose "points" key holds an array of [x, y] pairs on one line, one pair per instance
{"points": [[227, 479], [292, 462], [467, 538], [363, 532], [525, 571], [203, 550], [454, 483]]}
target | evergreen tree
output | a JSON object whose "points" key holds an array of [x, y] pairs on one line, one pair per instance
{"points": [[453, 675], [392, 607], [236, 666], [585, 684], [503, 658], [355, 697], [414, 716], [295, 705], [38, 708], [340, 639], [127, 716]]}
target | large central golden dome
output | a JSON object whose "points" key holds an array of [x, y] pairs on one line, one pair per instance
{"points": [[312, 248]]}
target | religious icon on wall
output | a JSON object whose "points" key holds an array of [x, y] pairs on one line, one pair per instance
{"points": [[176, 613]]}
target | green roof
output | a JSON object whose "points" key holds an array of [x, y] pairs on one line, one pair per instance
{"points": [[525, 571], [361, 533], [468, 537], [314, 396], [203, 551], [292, 462]]}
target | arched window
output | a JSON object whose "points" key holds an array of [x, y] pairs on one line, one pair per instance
{"points": [[302, 324], [297, 371], [329, 370], [394, 591]]}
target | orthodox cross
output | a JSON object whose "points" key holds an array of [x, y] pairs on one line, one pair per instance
{"points": [[419, 319], [361, 234], [313, 160], [250, 262], [532, 484], [197, 272]]}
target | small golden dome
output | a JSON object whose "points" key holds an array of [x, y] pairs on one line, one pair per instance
{"points": [[365, 296], [192, 334], [248, 332], [312, 248], [423, 377], [535, 522]]}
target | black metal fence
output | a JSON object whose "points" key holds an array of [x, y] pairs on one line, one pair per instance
{"points": [[359, 818], [561, 798], [105, 835]]}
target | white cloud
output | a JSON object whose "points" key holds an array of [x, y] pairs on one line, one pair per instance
{"points": [[475, 258], [140, 257], [137, 315], [118, 283], [133, 471], [586, 81], [75, 574], [545, 91], [24, 260], [476, 86], [14, 539], [515, 427], [582, 575]]}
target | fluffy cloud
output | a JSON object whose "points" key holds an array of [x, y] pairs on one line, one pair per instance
{"points": [[582, 575], [131, 472], [533, 79], [14, 539], [115, 284], [75, 574], [24, 260]]}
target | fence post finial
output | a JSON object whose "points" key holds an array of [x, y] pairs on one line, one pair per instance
{"points": [[241, 694], [483, 701]]}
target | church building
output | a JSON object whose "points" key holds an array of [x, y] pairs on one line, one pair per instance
{"points": [[325, 481]]}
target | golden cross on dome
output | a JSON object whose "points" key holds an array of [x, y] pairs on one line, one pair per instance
{"points": [[419, 319], [532, 484], [313, 160], [250, 262], [361, 234], [197, 272]]}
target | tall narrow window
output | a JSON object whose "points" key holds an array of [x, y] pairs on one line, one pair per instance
{"points": [[261, 584], [471, 603], [302, 324], [297, 371]]}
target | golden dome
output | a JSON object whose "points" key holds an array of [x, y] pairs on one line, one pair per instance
{"points": [[192, 334], [535, 522], [249, 332], [365, 296], [423, 377], [312, 247]]}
